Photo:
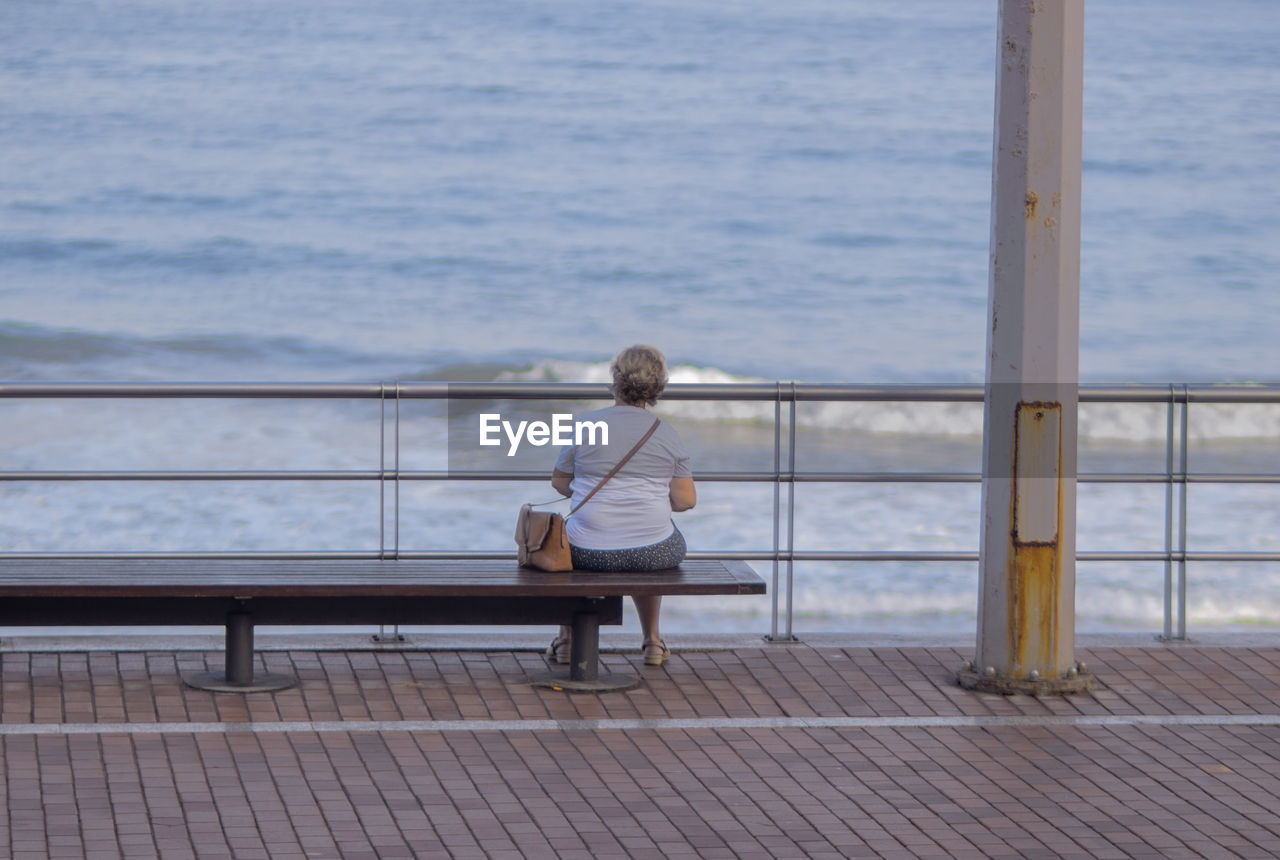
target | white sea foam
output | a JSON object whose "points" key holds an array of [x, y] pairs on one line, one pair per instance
{"points": [[1097, 421]]}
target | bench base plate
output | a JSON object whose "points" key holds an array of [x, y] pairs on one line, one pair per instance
{"points": [[216, 682], [605, 682]]}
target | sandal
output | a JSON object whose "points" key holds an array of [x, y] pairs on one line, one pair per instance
{"points": [[560, 650], [656, 652]]}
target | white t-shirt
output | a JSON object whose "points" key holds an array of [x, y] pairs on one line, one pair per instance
{"points": [[634, 508]]}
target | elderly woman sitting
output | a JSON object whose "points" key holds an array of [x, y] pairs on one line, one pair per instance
{"points": [[627, 525]]}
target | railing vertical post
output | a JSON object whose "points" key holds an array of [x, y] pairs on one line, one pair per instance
{"points": [[381, 635], [777, 507], [395, 514], [1182, 515], [1168, 515], [382, 469], [396, 483], [791, 514]]}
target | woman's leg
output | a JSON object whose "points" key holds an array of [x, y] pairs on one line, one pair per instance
{"points": [[663, 555], [558, 650], [648, 608]]}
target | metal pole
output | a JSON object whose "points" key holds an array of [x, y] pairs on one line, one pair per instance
{"points": [[395, 629], [777, 507], [1168, 518], [1182, 517], [1026, 607], [396, 483], [791, 514], [382, 470]]}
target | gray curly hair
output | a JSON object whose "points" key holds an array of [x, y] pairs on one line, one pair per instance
{"points": [[639, 375]]}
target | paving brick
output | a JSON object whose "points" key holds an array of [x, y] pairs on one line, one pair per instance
{"points": [[1033, 790]]}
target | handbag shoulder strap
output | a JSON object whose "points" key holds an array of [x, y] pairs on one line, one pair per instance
{"points": [[615, 469]]}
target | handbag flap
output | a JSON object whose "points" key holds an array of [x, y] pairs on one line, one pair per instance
{"points": [[531, 528]]}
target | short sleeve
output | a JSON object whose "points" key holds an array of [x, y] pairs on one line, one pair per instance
{"points": [[564, 463], [680, 454], [682, 469]]}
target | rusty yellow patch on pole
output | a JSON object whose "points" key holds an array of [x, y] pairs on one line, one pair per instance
{"points": [[1035, 550]]}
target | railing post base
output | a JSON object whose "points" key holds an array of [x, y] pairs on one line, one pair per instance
{"points": [[1075, 680]]}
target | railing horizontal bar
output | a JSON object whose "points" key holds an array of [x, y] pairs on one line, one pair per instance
{"points": [[1122, 478], [374, 475], [1230, 478], [876, 477], [875, 555], [1160, 555], [731, 477], [738, 477], [327, 475], [1127, 555], [1211, 393], [960, 555], [748, 555], [748, 391], [1233, 393], [166, 390], [1162, 478], [335, 555], [447, 555]]}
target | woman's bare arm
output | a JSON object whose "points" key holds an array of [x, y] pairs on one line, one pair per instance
{"points": [[683, 494], [561, 481]]}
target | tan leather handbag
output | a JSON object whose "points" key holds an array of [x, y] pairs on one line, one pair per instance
{"points": [[540, 540]]}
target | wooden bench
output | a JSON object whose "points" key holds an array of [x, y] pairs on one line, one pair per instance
{"points": [[241, 593]]}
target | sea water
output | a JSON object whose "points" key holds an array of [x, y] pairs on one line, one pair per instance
{"points": [[498, 190]]}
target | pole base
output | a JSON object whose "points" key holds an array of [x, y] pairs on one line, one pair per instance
{"points": [[216, 682], [607, 682], [1081, 682]]}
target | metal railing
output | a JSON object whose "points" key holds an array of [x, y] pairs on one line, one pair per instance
{"points": [[782, 554]]}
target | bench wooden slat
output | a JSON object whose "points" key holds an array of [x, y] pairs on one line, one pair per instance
{"points": [[283, 578]]}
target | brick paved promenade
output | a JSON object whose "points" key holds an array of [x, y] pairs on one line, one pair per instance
{"points": [[769, 751]]}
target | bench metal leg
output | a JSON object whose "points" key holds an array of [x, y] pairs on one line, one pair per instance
{"points": [[238, 675], [584, 663], [584, 650]]}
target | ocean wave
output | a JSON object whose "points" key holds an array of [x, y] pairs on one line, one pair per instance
{"points": [[228, 256], [54, 250], [27, 351], [1141, 423], [40, 352], [216, 256], [855, 240], [31, 352]]}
